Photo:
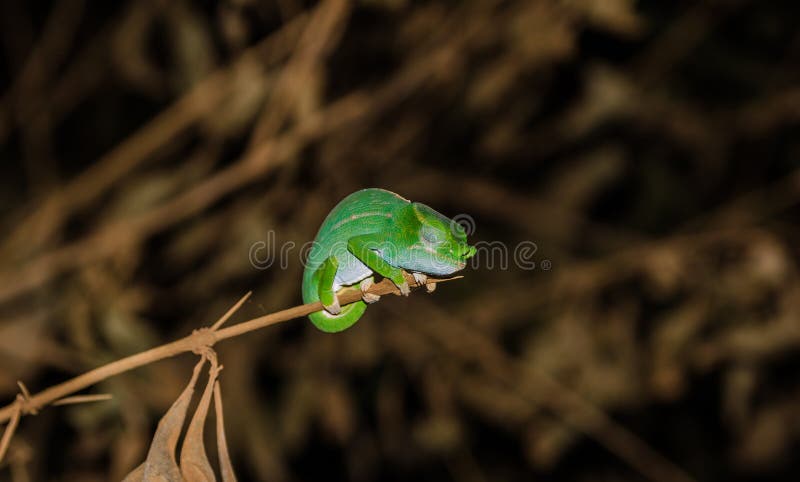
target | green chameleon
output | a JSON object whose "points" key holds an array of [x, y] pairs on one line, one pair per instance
{"points": [[377, 231]]}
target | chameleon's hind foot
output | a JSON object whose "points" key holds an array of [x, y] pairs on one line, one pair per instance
{"points": [[422, 279], [368, 298], [334, 308]]}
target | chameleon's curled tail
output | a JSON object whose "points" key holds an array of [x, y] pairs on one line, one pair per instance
{"points": [[322, 319], [344, 320]]}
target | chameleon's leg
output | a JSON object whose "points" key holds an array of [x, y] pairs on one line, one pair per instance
{"points": [[362, 248], [323, 277], [368, 298], [422, 279]]}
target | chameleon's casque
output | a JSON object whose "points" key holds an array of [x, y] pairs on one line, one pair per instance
{"points": [[377, 231]]}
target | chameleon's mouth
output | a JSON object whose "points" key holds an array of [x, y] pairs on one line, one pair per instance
{"points": [[463, 252], [468, 251]]}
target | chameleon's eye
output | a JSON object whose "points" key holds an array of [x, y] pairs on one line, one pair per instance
{"points": [[431, 236]]}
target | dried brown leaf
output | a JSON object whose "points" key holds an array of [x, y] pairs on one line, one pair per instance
{"points": [[136, 474], [195, 466], [160, 464], [225, 466]]}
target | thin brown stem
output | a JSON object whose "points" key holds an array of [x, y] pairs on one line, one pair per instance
{"points": [[195, 342], [74, 400], [15, 414]]}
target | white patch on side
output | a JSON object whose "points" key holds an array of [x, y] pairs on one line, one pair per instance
{"points": [[351, 271]]}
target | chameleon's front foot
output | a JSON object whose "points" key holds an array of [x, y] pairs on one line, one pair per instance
{"points": [[402, 285], [422, 279]]}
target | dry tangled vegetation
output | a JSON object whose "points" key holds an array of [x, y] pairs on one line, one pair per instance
{"points": [[649, 149]]}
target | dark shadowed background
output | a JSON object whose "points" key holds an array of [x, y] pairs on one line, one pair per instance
{"points": [[635, 163]]}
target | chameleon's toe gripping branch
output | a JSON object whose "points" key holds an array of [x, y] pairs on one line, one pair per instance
{"points": [[422, 279], [334, 308], [404, 288], [368, 298]]}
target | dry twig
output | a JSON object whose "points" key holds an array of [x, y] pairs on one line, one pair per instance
{"points": [[195, 342]]}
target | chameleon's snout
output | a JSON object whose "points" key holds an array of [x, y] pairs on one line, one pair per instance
{"points": [[471, 250], [466, 251]]}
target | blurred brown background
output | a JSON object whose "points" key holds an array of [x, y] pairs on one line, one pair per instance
{"points": [[649, 149]]}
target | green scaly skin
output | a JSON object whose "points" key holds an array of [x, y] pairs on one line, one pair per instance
{"points": [[377, 231]]}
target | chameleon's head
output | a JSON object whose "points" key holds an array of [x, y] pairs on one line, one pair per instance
{"points": [[435, 244]]}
